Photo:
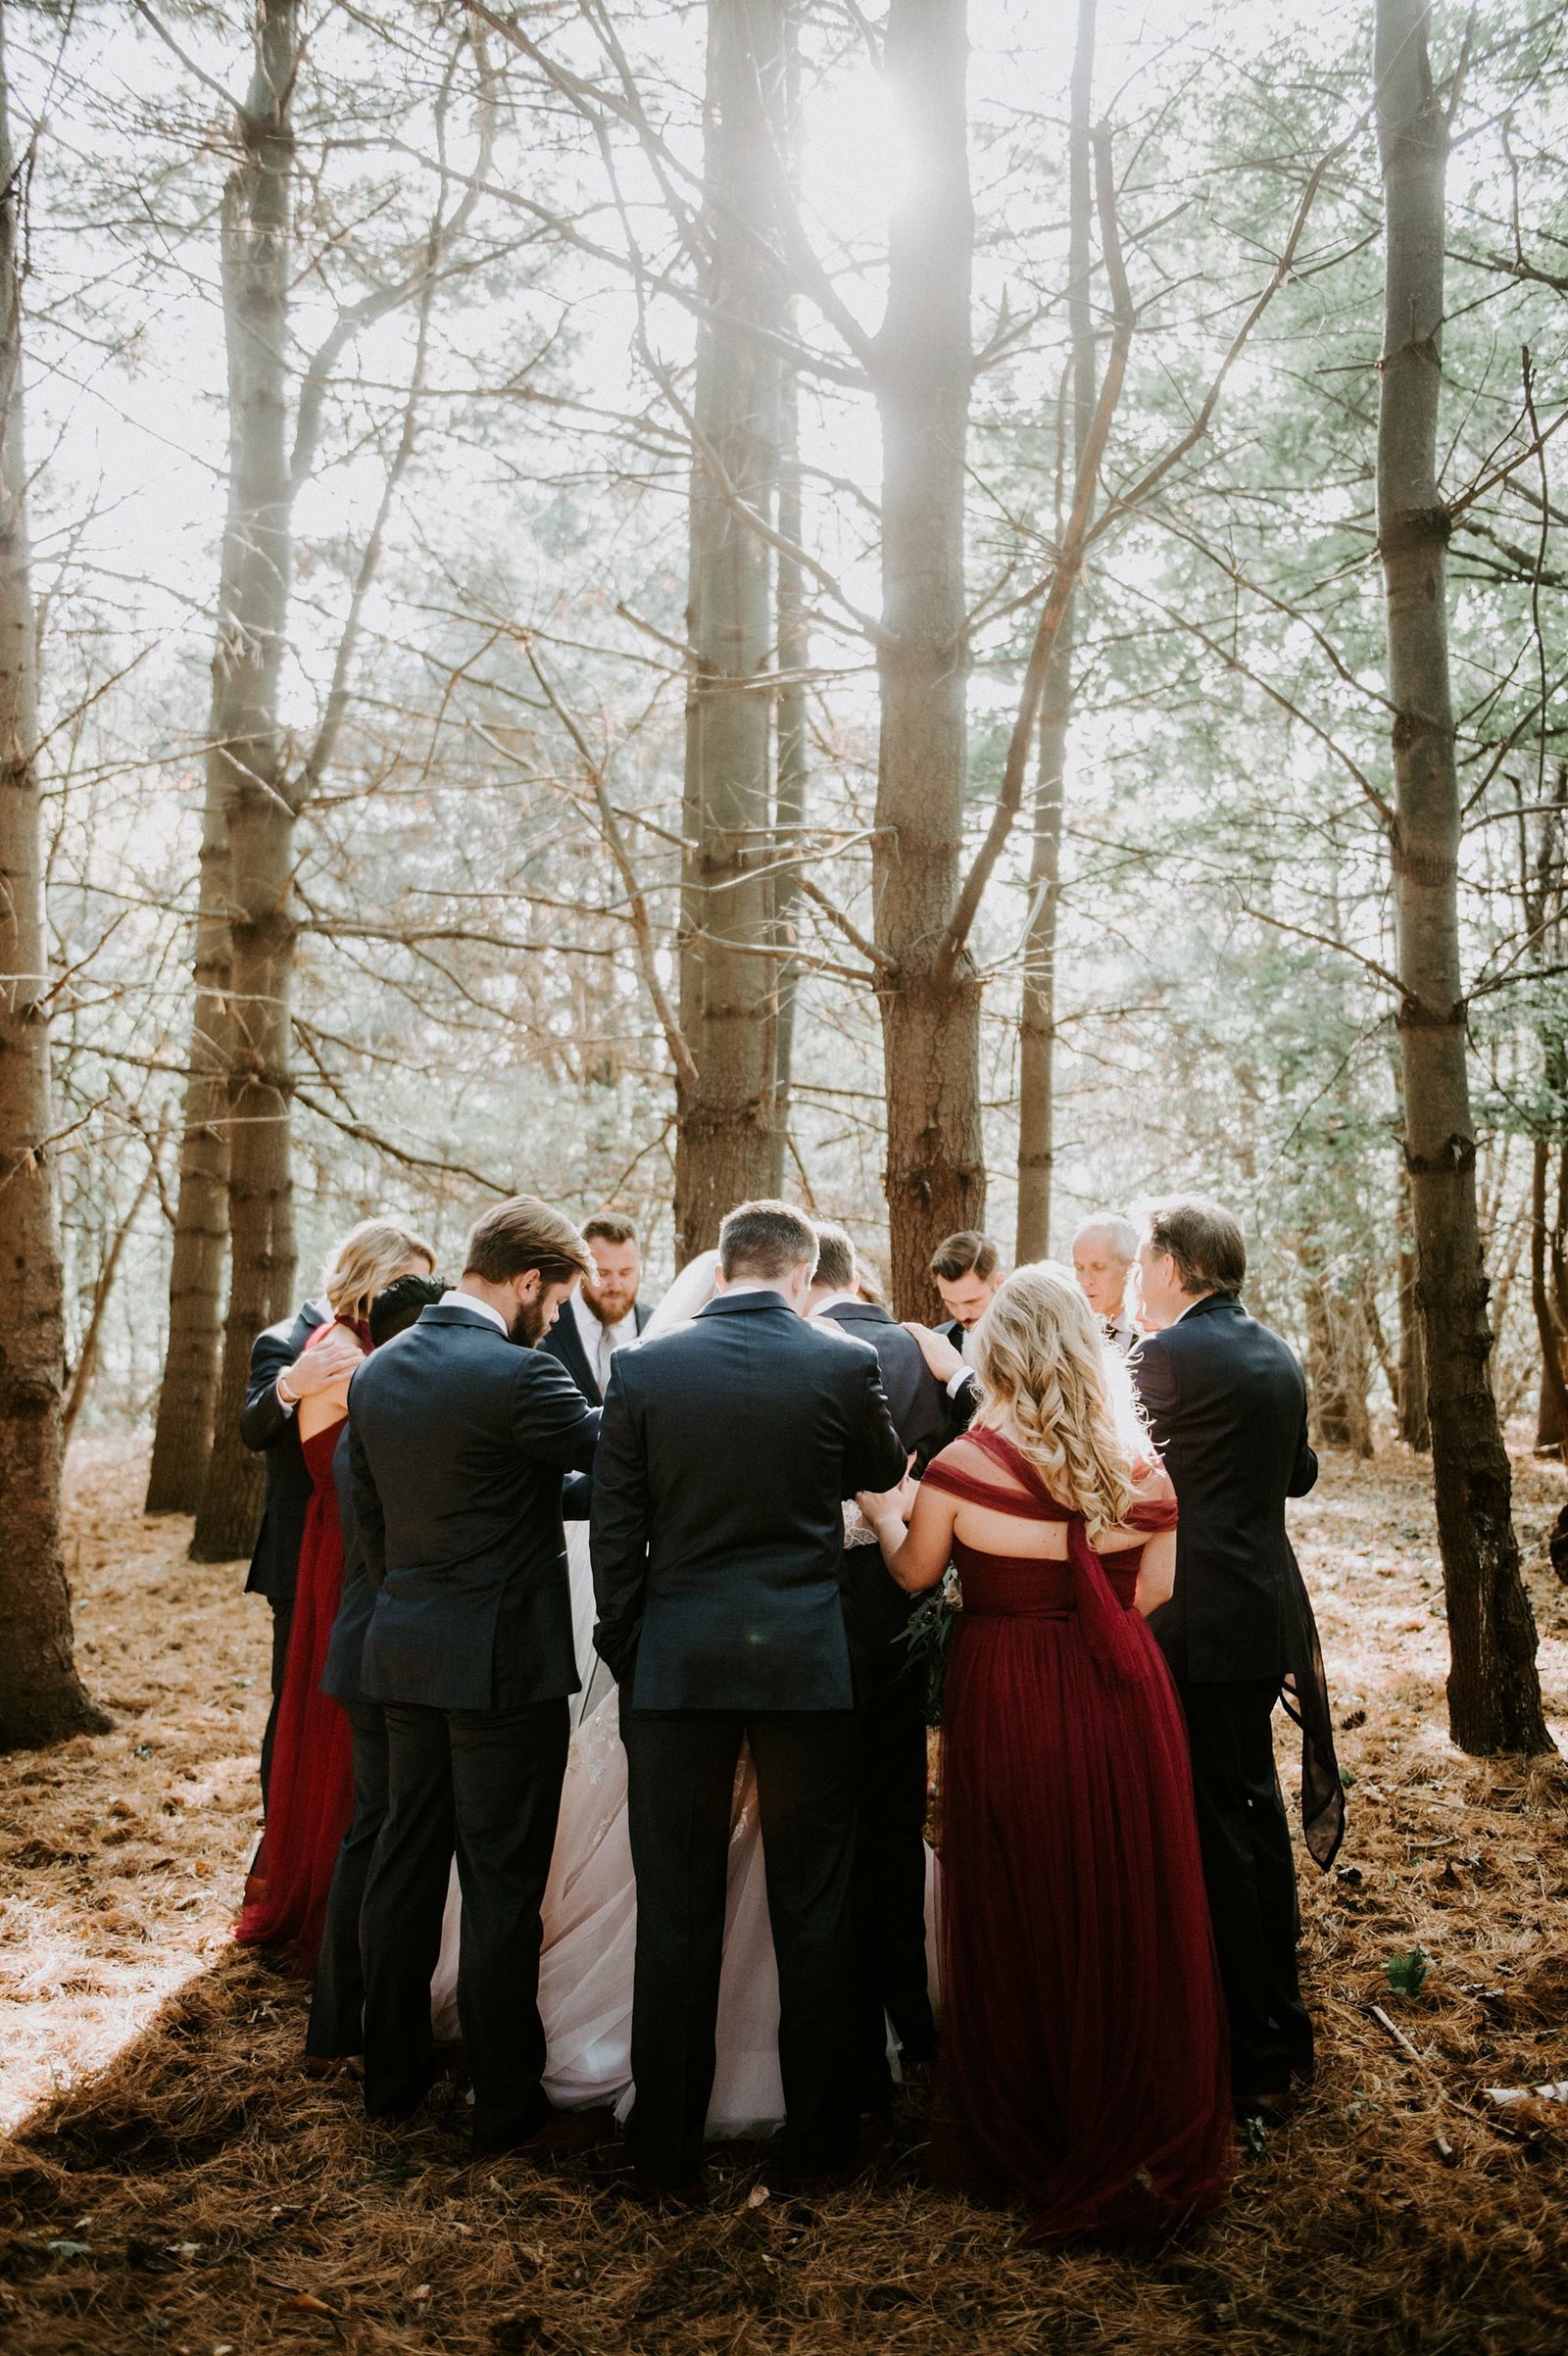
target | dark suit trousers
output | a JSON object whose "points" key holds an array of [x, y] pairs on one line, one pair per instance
{"points": [[338, 2000], [890, 1767], [1251, 1877], [283, 1622], [486, 1785], [681, 1775]]}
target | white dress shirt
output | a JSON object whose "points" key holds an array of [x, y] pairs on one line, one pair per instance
{"points": [[470, 1301], [600, 1341]]}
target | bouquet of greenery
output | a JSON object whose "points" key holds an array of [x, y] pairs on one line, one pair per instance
{"points": [[927, 1633]]}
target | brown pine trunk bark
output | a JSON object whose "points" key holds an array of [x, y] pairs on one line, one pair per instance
{"points": [[1037, 1038], [1494, 1691], [1552, 1419], [935, 1178], [41, 1696], [1338, 1368], [249, 744], [188, 1397], [792, 769], [725, 1116]]}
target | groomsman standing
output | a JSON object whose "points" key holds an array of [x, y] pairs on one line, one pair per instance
{"points": [[460, 1431], [889, 1703], [729, 1444], [282, 1375], [1225, 1403], [1103, 1253], [967, 1268], [604, 1313]]}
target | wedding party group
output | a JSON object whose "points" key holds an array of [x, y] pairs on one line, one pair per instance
{"points": [[606, 1646]]}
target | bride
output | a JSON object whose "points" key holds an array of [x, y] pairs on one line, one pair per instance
{"points": [[589, 1906]]}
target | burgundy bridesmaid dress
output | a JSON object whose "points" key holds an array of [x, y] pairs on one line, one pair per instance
{"points": [[312, 1792], [1084, 2031]]}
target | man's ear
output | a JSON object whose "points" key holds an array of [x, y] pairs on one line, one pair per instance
{"points": [[530, 1283]]}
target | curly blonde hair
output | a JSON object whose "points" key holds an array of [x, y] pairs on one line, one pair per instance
{"points": [[1042, 1371]]}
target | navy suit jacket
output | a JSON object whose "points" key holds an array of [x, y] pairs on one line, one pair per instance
{"points": [[264, 1425], [877, 1609], [340, 1671], [563, 1342], [458, 1442], [728, 1446], [1226, 1402]]}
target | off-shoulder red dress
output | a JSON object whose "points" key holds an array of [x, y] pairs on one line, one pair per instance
{"points": [[1084, 2030], [312, 1791]]}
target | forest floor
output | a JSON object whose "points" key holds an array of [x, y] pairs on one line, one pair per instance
{"points": [[172, 2179]]}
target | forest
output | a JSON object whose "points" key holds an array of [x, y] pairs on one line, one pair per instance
{"points": [[954, 611]]}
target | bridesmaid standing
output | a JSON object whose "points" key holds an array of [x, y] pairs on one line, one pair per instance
{"points": [[310, 1793], [1084, 2041]]}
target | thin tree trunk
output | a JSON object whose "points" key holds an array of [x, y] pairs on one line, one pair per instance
{"points": [[182, 1436], [1337, 1367], [728, 1014], [249, 742], [1494, 1691], [1415, 1430], [935, 1177], [41, 1696], [1552, 1419], [1037, 1040], [793, 775]]}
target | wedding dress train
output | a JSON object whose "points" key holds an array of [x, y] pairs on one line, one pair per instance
{"points": [[590, 1924]]}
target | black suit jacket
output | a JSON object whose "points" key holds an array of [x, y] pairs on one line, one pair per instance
{"points": [[728, 1446], [877, 1609], [340, 1672], [263, 1424], [1226, 1402], [458, 1440], [563, 1342]]}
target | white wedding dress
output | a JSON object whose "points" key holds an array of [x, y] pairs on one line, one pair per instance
{"points": [[589, 1906]]}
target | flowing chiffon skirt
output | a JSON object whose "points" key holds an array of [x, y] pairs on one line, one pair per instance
{"points": [[311, 1794], [590, 1930], [1084, 2039], [1085, 2024]]}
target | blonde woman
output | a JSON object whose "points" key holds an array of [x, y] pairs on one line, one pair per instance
{"points": [[311, 1791], [1083, 2040]]}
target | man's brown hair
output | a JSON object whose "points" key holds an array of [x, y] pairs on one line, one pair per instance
{"points": [[967, 1254], [835, 1258], [612, 1227], [1203, 1239], [521, 1234], [768, 1239]]}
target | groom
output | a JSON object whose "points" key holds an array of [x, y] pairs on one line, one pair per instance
{"points": [[458, 1432], [726, 1448]]}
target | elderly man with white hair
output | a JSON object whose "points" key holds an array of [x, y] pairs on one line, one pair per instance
{"points": [[1103, 1251]]}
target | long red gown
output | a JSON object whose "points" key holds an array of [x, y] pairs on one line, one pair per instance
{"points": [[1084, 2031], [310, 1798]]}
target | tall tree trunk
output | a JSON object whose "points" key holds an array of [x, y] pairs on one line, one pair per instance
{"points": [[1553, 1415], [1410, 1401], [1494, 1691], [182, 1436], [792, 777], [1338, 1366], [249, 744], [935, 1178], [41, 1696], [1037, 1043], [725, 1120]]}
